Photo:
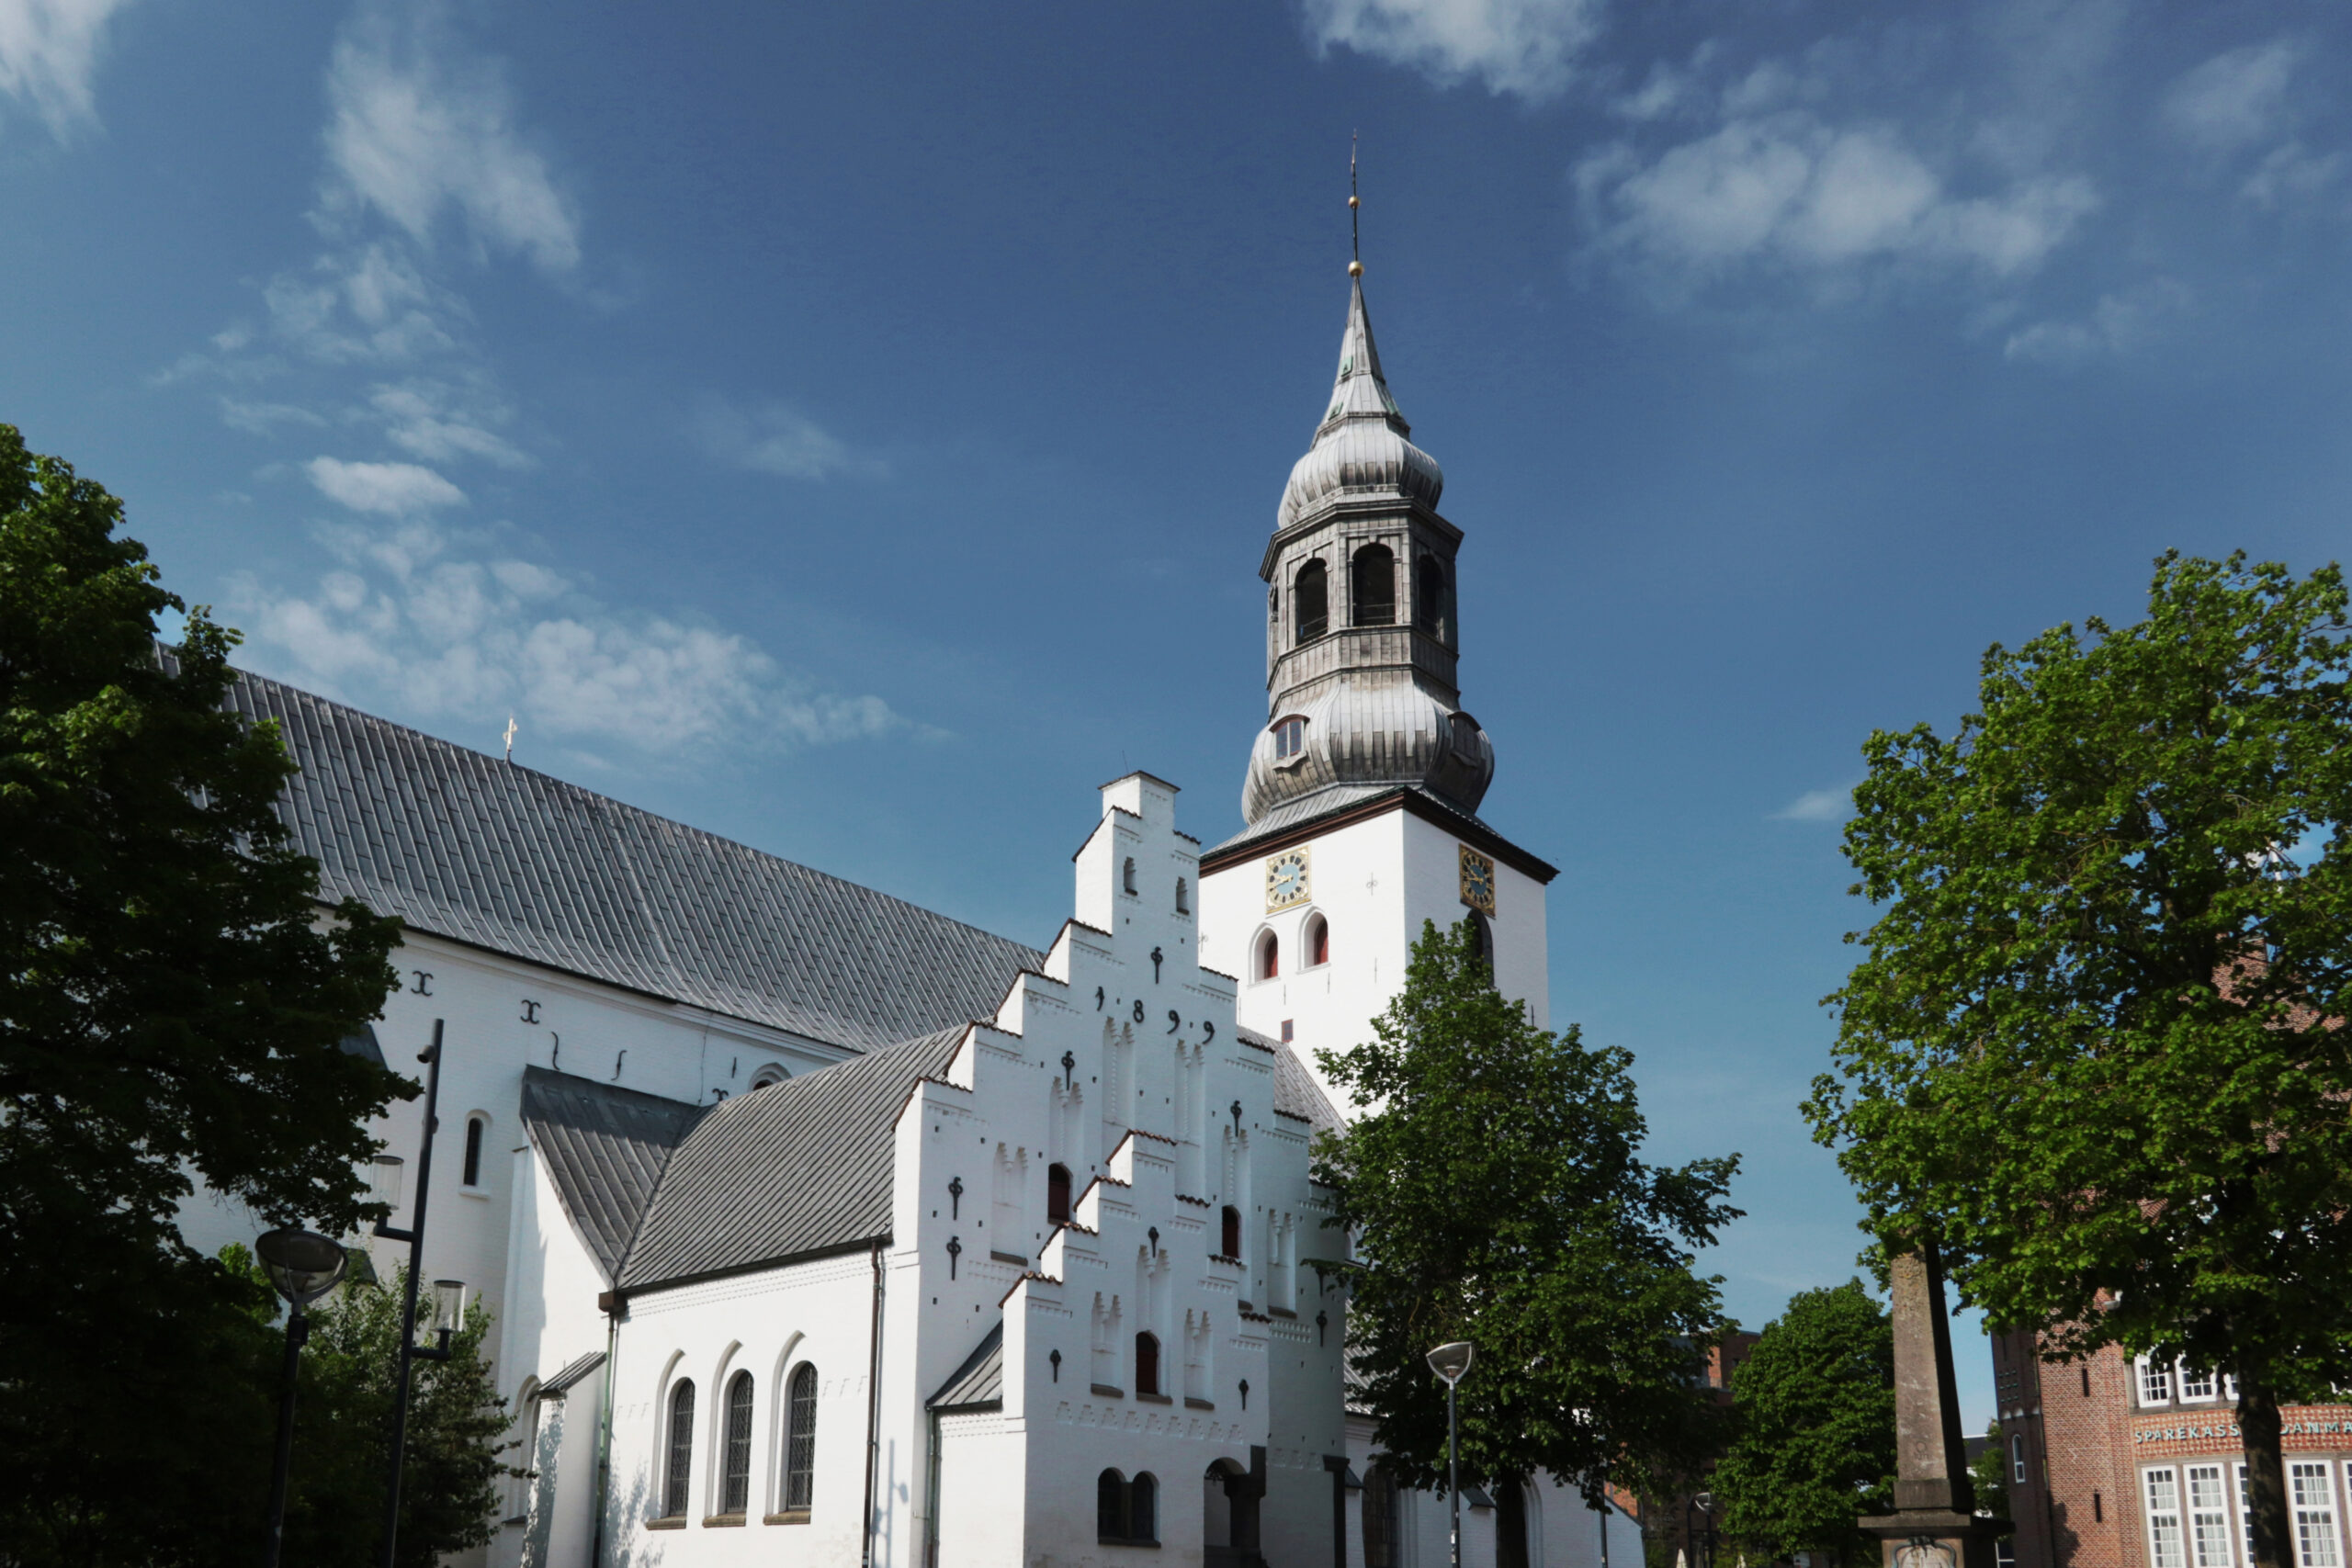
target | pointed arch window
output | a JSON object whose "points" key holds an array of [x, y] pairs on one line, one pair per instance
{"points": [[735, 1482], [1318, 939], [800, 1440], [1310, 603], [1372, 587], [680, 1456], [1269, 956]]}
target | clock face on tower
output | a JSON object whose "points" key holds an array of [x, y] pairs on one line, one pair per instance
{"points": [[1477, 881], [1286, 879]]}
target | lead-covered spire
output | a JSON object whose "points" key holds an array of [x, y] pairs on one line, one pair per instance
{"points": [[1363, 445]]}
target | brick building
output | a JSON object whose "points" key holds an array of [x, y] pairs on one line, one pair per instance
{"points": [[2117, 1463]]}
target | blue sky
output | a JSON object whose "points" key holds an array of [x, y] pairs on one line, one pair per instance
{"points": [[853, 429]]}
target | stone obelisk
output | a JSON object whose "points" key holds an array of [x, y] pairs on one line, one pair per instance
{"points": [[1934, 1523]]}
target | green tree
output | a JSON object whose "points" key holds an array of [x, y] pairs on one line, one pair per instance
{"points": [[1990, 1471], [1813, 1441], [2092, 1049], [1493, 1192], [171, 1005]]}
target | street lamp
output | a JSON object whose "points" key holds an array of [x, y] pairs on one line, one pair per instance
{"points": [[1705, 1502], [304, 1266], [449, 1295], [1451, 1362]]}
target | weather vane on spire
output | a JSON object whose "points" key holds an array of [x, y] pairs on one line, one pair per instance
{"points": [[1355, 237]]}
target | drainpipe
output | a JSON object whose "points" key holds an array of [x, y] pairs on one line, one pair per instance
{"points": [[931, 1501], [611, 1301], [873, 1404]]}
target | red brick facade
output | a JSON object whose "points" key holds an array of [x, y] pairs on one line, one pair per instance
{"points": [[2116, 1478]]}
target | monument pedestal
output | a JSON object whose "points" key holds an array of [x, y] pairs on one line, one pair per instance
{"points": [[1935, 1523]]}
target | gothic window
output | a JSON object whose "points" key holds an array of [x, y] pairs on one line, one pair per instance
{"points": [[1310, 603], [1146, 1363], [682, 1449], [735, 1484], [475, 1126], [1229, 1239], [1183, 898], [1318, 939], [1057, 1194], [1111, 1506], [1290, 739], [1428, 596], [800, 1440], [1270, 957], [1127, 878], [1379, 1517], [1372, 587]]}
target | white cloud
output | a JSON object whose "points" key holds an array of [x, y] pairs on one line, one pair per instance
{"points": [[1819, 805], [395, 489], [263, 419], [2289, 174], [411, 619], [1527, 47], [1791, 188], [48, 55], [417, 131], [2234, 99], [2119, 323], [442, 423], [773, 439]]}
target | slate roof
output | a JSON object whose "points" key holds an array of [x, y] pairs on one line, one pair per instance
{"points": [[605, 1148], [792, 1170], [1295, 1092], [472, 848], [566, 1379], [978, 1383]]}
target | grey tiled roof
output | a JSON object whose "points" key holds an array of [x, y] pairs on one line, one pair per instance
{"points": [[605, 1148], [788, 1170], [978, 1383], [564, 1380], [469, 847], [1295, 1092]]}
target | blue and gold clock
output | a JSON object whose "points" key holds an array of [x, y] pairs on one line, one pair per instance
{"points": [[1477, 881], [1286, 882]]}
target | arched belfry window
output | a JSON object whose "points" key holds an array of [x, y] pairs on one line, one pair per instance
{"points": [[1372, 587], [1270, 957], [1428, 596], [1310, 603], [1318, 939]]}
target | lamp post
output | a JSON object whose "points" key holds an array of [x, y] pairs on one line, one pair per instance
{"points": [[449, 1298], [1705, 1502], [304, 1266], [1451, 1361]]}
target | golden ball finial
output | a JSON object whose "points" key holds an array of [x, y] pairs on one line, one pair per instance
{"points": [[1352, 202], [1355, 269]]}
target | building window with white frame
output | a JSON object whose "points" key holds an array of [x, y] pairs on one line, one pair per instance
{"points": [[2311, 1493], [2162, 1491], [2208, 1517], [2017, 1457], [2155, 1381], [2197, 1386]]}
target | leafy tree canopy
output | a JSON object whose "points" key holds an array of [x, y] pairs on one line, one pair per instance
{"points": [[2092, 1049], [171, 1001], [1493, 1192], [1813, 1444]]}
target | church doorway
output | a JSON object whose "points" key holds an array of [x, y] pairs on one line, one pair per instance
{"points": [[1229, 1515], [1510, 1525]]}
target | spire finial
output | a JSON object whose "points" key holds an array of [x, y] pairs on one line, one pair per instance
{"points": [[1355, 237]]}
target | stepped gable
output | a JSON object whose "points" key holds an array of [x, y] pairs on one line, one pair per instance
{"points": [[472, 848], [798, 1168]]}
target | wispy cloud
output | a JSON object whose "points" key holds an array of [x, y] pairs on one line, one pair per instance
{"points": [[773, 439], [433, 623], [2119, 323], [1530, 48], [2234, 99], [1819, 805], [396, 490], [49, 58], [420, 132]]}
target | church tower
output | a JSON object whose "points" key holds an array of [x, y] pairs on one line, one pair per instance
{"points": [[1364, 782]]}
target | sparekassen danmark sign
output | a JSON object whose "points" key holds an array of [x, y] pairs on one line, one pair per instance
{"points": [[2227, 1431]]}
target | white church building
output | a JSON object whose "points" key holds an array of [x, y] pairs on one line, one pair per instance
{"points": [[818, 1228]]}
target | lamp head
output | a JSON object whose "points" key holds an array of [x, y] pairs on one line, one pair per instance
{"points": [[1705, 1501], [448, 1305], [302, 1264], [1451, 1361]]}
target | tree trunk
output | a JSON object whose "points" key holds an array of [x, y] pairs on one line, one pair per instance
{"points": [[2265, 1473]]}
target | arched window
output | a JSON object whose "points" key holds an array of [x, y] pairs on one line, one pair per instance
{"points": [[1110, 1505], [1318, 939], [1428, 596], [1270, 957], [682, 1449], [1510, 1525], [735, 1473], [1057, 1194], [800, 1440], [1127, 877], [1290, 739], [1379, 1518], [1229, 1239], [1482, 939], [2017, 1457], [1143, 1509], [768, 1077], [476, 1125], [1146, 1363], [1310, 603], [1372, 587], [1183, 896]]}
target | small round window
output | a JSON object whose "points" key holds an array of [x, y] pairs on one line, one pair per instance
{"points": [[1290, 740]]}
